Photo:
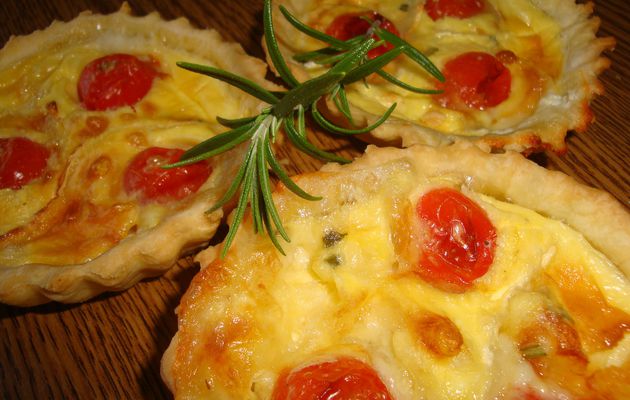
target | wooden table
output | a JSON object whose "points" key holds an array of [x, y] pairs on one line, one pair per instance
{"points": [[111, 346]]}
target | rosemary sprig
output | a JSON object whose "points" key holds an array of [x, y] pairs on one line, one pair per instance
{"points": [[287, 109], [331, 53]]}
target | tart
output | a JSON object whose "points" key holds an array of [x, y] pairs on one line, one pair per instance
{"points": [[89, 112], [425, 272], [519, 74]]}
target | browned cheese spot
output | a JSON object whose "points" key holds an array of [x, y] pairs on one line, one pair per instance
{"points": [[439, 335], [99, 168]]}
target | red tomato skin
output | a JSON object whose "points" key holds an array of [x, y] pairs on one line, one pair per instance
{"points": [[461, 243], [145, 178], [526, 394], [347, 26], [474, 80], [341, 379], [461, 9], [114, 81], [21, 161]]}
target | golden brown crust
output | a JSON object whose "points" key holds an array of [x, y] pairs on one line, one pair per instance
{"points": [[564, 105], [144, 255], [154, 247]]}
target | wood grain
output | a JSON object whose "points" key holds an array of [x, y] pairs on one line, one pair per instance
{"points": [[110, 347]]}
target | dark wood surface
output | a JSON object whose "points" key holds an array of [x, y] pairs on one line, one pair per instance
{"points": [[111, 346]]}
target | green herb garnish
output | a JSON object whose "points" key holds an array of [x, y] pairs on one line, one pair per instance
{"points": [[348, 64], [533, 351], [332, 237]]}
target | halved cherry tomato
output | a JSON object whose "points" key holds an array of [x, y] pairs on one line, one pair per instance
{"points": [[342, 379], [461, 242], [152, 183], [474, 80], [114, 81], [21, 161], [347, 26], [453, 8]]}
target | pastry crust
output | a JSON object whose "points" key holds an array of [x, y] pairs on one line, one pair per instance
{"points": [[247, 317], [147, 254], [179, 112], [529, 125]]}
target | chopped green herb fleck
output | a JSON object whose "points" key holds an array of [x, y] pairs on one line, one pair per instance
{"points": [[533, 351], [332, 237], [334, 260]]}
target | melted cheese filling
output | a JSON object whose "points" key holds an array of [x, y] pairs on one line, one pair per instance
{"points": [[52, 76], [90, 157], [517, 26], [345, 287], [90, 211]]}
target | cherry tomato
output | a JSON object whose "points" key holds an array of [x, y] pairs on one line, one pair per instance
{"points": [[461, 242], [342, 379], [474, 80], [145, 177], [347, 26], [21, 161], [115, 81], [453, 8]]}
